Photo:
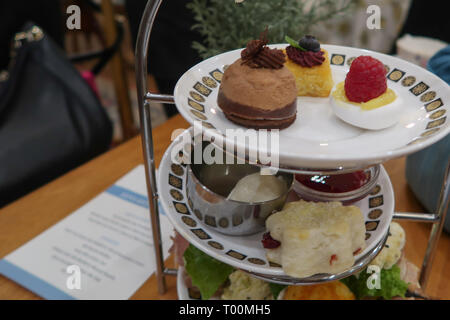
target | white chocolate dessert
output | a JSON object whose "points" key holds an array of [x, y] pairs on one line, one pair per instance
{"points": [[316, 238], [364, 98], [258, 188], [379, 113]]}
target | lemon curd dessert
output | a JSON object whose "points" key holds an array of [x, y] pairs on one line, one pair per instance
{"points": [[382, 100], [363, 99]]}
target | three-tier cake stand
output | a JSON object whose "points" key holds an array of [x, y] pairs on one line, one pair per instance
{"points": [[144, 99]]}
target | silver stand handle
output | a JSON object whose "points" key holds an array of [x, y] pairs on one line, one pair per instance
{"points": [[436, 230], [142, 45]]}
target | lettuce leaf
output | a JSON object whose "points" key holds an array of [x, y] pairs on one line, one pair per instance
{"points": [[276, 288], [206, 273], [391, 285]]}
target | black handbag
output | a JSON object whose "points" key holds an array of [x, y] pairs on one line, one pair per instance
{"points": [[50, 119]]}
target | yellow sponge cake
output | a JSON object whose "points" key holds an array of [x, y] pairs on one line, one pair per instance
{"points": [[311, 68]]}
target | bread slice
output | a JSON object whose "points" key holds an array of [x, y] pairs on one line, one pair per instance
{"points": [[315, 237]]}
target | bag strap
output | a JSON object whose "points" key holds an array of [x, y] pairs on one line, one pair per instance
{"points": [[19, 51]]}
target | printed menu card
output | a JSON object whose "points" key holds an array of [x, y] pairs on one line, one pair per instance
{"points": [[103, 250]]}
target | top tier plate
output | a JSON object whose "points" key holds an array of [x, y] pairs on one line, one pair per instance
{"points": [[318, 139]]}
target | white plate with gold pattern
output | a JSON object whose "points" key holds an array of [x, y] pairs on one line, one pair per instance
{"points": [[318, 139], [185, 293], [247, 252]]}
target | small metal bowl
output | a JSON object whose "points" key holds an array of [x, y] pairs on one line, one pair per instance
{"points": [[208, 186], [346, 198]]}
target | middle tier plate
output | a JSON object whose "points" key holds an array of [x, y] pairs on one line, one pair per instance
{"points": [[247, 252]]}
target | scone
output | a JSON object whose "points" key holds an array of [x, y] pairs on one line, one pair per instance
{"points": [[257, 91], [311, 67], [315, 237]]}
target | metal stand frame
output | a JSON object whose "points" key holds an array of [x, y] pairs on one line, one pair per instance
{"points": [[144, 98]]}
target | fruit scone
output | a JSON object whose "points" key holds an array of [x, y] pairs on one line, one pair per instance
{"points": [[310, 65], [307, 238]]}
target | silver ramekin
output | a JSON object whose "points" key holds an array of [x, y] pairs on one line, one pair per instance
{"points": [[208, 186]]}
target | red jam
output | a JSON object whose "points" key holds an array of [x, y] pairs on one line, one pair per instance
{"points": [[333, 258], [337, 183], [269, 242]]}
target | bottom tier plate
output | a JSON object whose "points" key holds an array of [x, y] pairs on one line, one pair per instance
{"points": [[246, 252], [185, 293]]}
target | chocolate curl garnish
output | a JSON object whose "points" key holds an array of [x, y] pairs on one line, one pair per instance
{"points": [[258, 55]]}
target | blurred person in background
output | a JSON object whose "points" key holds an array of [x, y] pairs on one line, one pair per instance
{"points": [[170, 52], [170, 49], [427, 20]]}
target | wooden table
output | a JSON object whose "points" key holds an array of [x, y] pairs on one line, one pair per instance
{"points": [[34, 213]]}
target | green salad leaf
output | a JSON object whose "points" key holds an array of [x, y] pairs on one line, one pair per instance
{"points": [[276, 288], [207, 273], [391, 285]]}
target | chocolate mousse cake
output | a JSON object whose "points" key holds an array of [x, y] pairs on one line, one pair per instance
{"points": [[258, 91]]}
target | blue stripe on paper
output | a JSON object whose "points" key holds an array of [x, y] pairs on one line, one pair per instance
{"points": [[31, 282], [131, 196]]}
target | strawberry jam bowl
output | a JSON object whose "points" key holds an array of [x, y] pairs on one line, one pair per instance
{"points": [[347, 188]]}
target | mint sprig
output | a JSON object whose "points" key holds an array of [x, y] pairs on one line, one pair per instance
{"points": [[293, 43]]}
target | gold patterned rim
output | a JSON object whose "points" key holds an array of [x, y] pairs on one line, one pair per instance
{"points": [[200, 224], [427, 97]]}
